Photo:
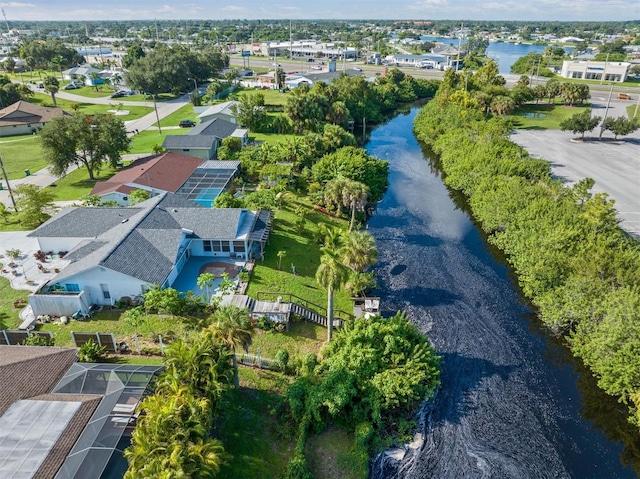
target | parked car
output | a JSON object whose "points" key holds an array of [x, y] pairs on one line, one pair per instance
{"points": [[624, 96], [311, 60], [187, 123], [71, 86], [358, 69], [40, 85], [118, 94]]}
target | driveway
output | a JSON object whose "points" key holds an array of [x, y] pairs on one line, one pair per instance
{"points": [[614, 165]]}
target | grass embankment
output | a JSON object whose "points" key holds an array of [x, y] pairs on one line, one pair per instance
{"points": [[631, 111], [271, 97], [302, 252], [542, 116]]}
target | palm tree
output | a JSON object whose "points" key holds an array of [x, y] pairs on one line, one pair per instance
{"points": [[358, 251], [232, 327], [354, 197], [331, 275], [204, 362], [205, 280], [58, 61], [94, 79]]}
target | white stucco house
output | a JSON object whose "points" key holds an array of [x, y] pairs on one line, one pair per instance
{"points": [[117, 252]]}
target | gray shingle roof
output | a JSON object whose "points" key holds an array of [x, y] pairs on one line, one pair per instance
{"points": [[79, 222], [146, 245], [188, 141], [216, 127]]}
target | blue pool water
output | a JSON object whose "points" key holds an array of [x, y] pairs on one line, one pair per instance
{"points": [[208, 196]]}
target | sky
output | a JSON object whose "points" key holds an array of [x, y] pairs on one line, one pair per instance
{"points": [[601, 10]]}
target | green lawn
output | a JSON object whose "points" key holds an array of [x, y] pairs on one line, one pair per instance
{"points": [[631, 111], [301, 252], [76, 185], [104, 91], [135, 112], [184, 113], [144, 141], [8, 314], [302, 338], [330, 454], [271, 97], [258, 440], [110, 321], [21, 153], [542, 116]]}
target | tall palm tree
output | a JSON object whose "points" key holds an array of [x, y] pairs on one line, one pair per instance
{"points": [[354, 196], [52, 86], [358, 250], [331, 275], [232, 327]]}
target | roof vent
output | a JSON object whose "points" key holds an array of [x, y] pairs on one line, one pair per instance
{"points": [[124, 220]]}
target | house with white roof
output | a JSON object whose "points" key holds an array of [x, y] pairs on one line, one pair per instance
{"points": [[223, 111], [203, 140]]}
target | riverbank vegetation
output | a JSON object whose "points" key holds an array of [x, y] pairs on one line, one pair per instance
{"points": [[571, 258]]}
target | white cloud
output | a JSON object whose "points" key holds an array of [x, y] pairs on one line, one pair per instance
{"points": [[16, 5]]}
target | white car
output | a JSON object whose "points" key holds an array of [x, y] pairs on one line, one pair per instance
{"points": [[358, 69]]}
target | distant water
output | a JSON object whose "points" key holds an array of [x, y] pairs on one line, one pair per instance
{"points": [[504, 54]]}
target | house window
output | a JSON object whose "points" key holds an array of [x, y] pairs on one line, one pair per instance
{"points": [[216, 246], [72, 287], [238, 246], [226, 246], [105, 291], [207, 245]]}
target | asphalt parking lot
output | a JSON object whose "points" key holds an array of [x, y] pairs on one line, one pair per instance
{"points": [[614, 165]]}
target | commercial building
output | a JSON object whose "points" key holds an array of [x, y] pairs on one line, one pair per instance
{"points": [[589, 70]]}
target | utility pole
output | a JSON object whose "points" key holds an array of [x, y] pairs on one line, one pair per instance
{"points": [[5, 20], [604, 72], [459, 46], [606, 112], [6, 179]]}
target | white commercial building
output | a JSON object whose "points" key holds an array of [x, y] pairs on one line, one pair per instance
{"points": [[589, 70]]}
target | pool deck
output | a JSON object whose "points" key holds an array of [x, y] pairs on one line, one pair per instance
{"points": [[188, 277]]}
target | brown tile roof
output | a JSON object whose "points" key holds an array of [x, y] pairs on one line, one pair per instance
{"points": [[69, 436], [25, 113], [166, 172], [31, 371]]}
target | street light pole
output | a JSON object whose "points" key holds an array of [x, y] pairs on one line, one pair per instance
{"points": [[6, 179]]}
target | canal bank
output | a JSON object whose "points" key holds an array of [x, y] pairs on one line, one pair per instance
{"points": [[513, 402]]}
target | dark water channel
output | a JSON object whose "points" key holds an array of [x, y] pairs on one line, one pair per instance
{"points": [[513, 403]]}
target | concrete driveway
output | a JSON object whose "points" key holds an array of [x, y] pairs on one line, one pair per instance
{"points": [[614, 165]]}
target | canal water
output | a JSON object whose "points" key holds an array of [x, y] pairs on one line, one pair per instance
{"points": [[513, 403]]}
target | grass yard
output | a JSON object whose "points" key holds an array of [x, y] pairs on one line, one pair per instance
{"points": [[8, 314], [184, 113], [631, 111], [135, 112], [104, 91], [301, 252], [257, 438], [332, 454], [144, 141], [302, 338], [76, 185], [110, 321], [21, 153], [542, 116], [271, 97]]}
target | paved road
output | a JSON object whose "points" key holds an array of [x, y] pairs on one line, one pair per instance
{"points": [[614, 165]]}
